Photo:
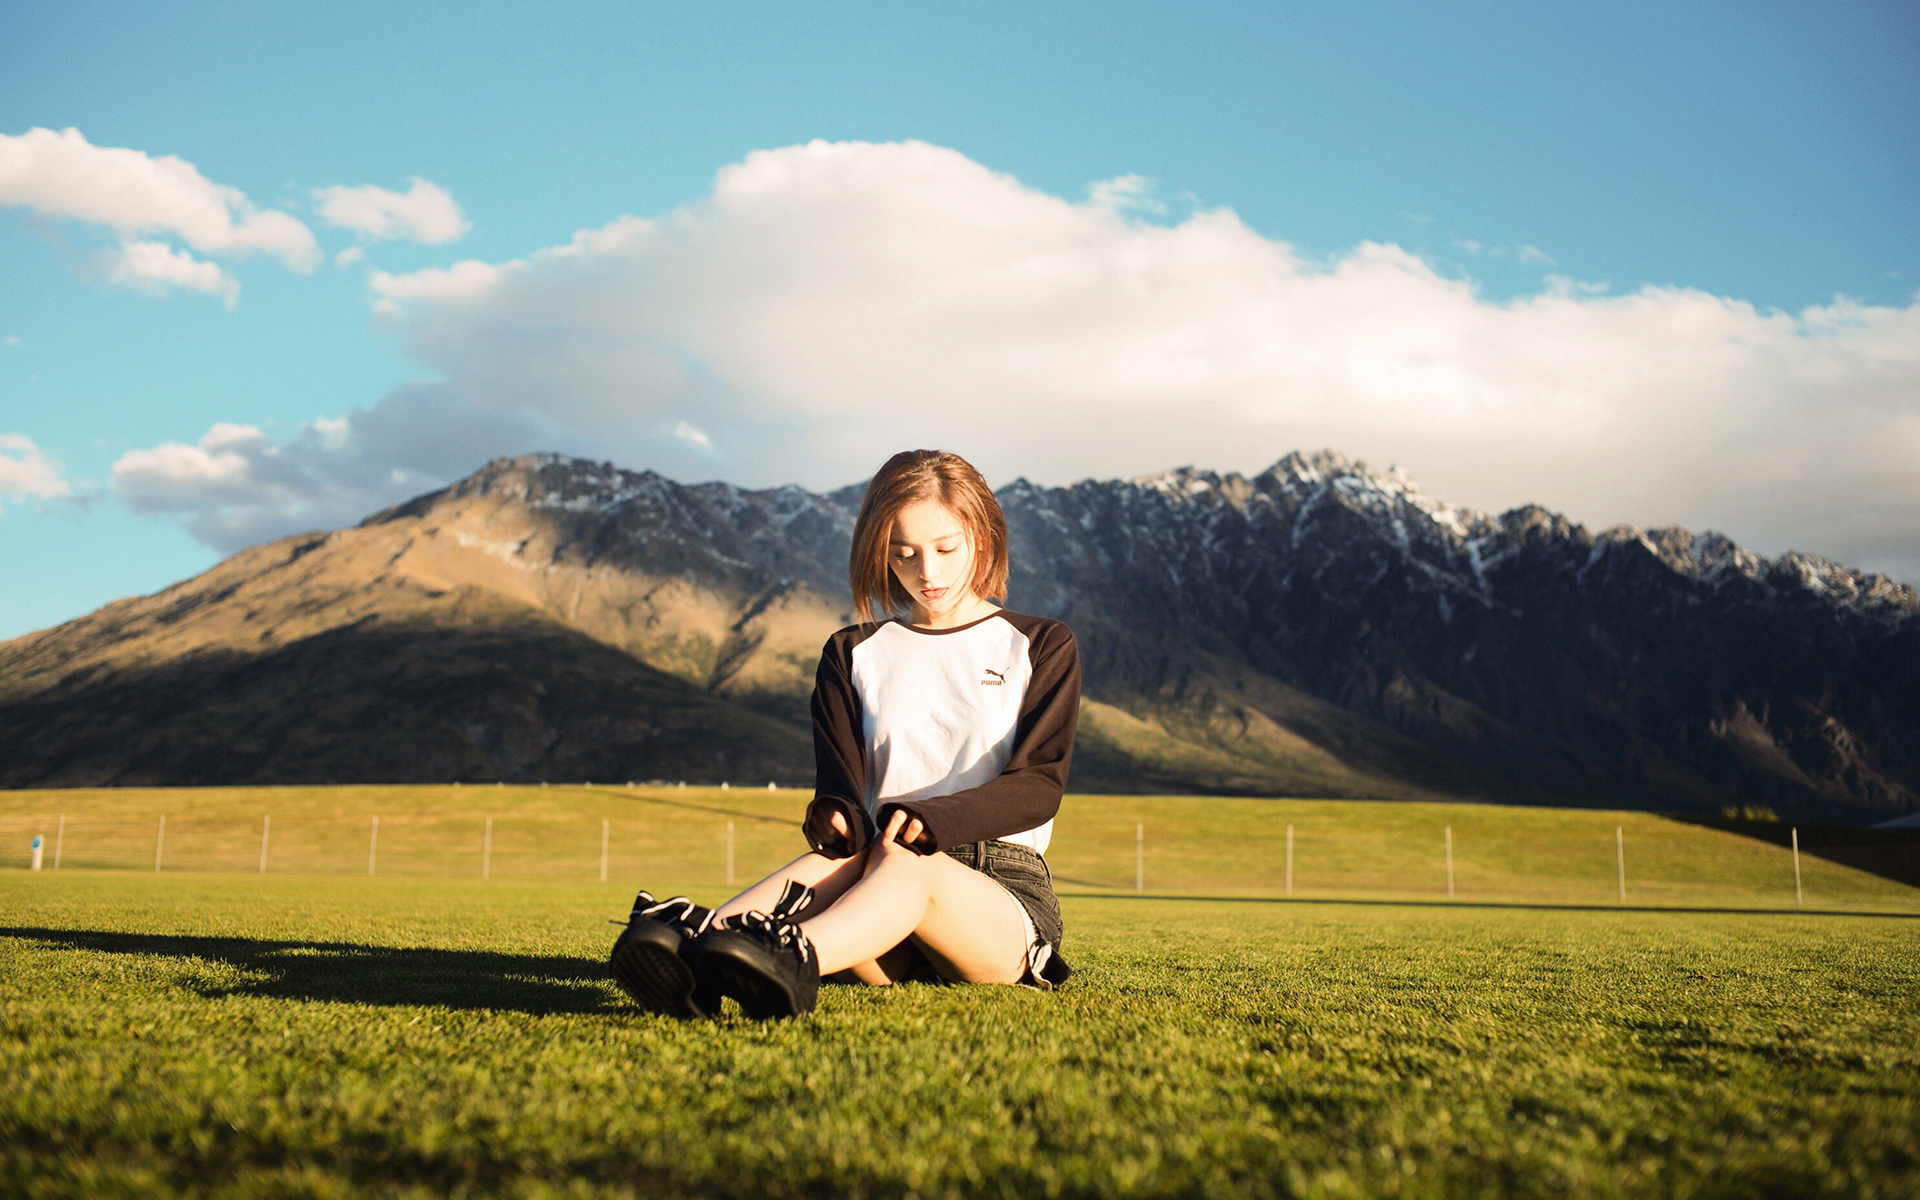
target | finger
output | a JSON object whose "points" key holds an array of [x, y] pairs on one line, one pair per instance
{"points": [[911, 834], [839, 823], [896, 822]]}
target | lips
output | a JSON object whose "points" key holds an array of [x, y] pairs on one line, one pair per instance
{"points": [[932, 593]]}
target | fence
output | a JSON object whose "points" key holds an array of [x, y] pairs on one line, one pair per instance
{"points": [[699, 839]]}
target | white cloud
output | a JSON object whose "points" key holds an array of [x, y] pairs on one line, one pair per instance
{"points": [[237, 486], [156, 268], [469, 278], [423, 213], [65, 177], [829, 304], [349, 256], [1125, 193], [26, 472], [1534, 255]]}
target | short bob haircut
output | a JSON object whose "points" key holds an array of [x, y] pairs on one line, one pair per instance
{"points": [[908, 478]]}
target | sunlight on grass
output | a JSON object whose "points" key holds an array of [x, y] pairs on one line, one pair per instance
{"points": [[213, 1032]]}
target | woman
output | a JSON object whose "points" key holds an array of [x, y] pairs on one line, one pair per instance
{"points": [[941, 743]]}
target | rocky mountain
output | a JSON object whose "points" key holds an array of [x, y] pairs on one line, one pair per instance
{"points": [[1318, 629]]}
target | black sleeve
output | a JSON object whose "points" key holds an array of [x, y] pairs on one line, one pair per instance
{"points": [[1026, 794], [839, 754]]}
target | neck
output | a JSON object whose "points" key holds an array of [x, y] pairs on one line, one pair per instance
{"points": [[960, 614]]}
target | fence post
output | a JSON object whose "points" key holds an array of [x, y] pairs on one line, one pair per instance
{"points": [[1620, 859], [1139, 856], [159, 841], [373, 844], [606, 832], [486, 852], [1798, 901], [59, 837], [1289, 860], [1449, 862], [266, 827], [729, 853]]}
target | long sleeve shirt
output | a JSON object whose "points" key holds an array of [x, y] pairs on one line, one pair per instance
{"points": [[968, 729]]}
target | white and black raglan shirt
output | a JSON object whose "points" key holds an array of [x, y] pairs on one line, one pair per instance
{"points": [[969, 729]]}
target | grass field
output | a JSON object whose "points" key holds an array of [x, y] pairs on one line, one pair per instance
{"points": [[206, 1030]]}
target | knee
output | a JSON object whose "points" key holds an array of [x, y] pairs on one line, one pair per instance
{"points": [[898, 860]]}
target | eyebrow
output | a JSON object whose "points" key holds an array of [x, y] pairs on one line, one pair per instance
{"points": [[958, 533]]}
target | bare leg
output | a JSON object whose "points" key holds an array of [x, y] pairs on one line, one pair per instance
{"points": [[828, 877], [969, 925]]}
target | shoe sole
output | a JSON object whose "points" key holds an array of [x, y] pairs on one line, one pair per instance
{"points": [[647, 965], [737, 967]]}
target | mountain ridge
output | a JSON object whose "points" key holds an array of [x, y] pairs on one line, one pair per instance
{"points": [[1318, 628]]}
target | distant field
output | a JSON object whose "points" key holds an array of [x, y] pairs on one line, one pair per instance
{"points": [[676, 839], [204, 1030]]}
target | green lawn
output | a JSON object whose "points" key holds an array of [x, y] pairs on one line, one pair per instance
{"points": [[317, 1032]]}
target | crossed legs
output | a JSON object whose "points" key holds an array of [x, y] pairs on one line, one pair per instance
{"points": [[867, 906]]}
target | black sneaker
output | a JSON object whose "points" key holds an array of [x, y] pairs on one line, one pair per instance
{"points": [[763, 960], [652, 957]]}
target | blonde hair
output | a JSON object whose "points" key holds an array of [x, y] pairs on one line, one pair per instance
{"points": [[908, 478]]}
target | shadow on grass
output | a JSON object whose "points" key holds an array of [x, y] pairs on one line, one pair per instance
{"points": [[1512, 904], [1889, 853], [352, 973]]}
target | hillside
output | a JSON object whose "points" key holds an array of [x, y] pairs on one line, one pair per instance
{"points": [[1320, 629]]}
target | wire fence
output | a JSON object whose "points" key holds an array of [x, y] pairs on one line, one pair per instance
{"points": [[705, 839]]}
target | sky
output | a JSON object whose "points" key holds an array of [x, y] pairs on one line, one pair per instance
{"points": [[270, 269]]}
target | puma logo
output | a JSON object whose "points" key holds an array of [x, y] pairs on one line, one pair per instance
{"points": [[999, 677]]}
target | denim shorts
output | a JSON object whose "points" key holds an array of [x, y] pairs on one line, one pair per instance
{"points": [[1025, 876]]}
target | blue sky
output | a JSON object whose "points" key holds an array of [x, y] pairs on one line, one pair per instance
{"points": [[1582, 256]]}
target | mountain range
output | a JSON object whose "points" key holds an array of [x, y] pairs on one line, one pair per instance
{"points": [[1320, 628]]}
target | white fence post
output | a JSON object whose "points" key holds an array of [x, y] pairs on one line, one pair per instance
{"points": [[1289, 860], [160, 841], [266, 827], [373, 844], [1798, 900], [1139, 856], [39, 849], [486, 852], [606, 832], [1620, 859], [59, 837], [1449, 862]]}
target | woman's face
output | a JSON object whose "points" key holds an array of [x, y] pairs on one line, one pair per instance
{"points": [[932, 558]]}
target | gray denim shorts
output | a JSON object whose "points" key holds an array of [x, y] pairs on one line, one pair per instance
{"points": [[1024, 874]]}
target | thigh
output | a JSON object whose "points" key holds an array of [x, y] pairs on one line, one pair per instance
{"points": [[974, 930]]}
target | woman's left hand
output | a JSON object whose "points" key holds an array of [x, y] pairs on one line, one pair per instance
{"points": [[904, 830]]}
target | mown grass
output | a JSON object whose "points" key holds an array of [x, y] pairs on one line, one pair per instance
{"points": [[220, 1033]]}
